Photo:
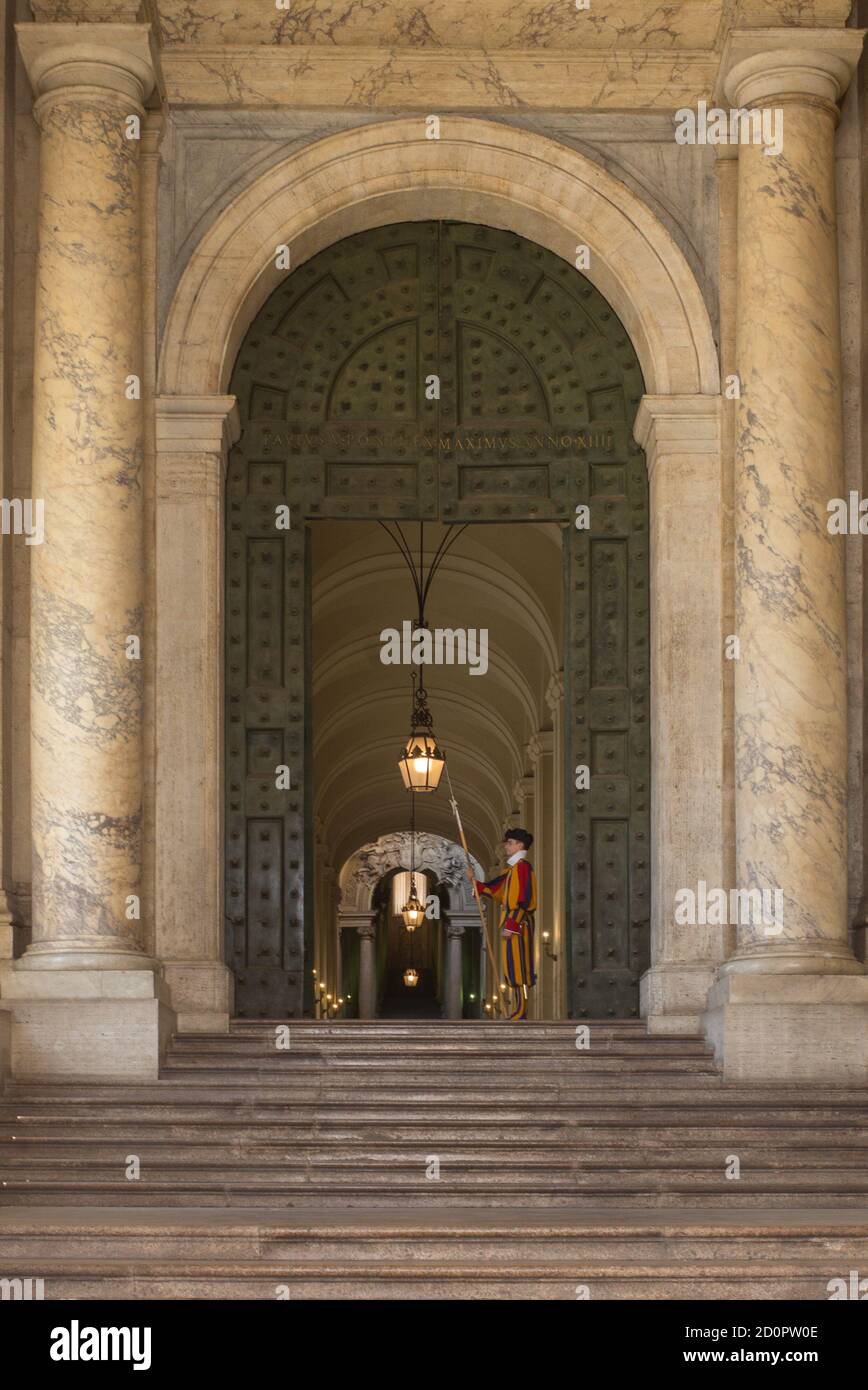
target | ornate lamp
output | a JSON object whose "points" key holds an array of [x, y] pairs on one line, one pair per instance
{"points": [[411, 977], [421, 761]]}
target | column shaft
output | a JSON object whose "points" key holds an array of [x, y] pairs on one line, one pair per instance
{"points": [[87, 584], [681, 437], [367, 972], [454, 948], [790, 679], [193, 435]]}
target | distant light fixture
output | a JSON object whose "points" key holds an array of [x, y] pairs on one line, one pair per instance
{"points": [[413, 910], [411, 977]]}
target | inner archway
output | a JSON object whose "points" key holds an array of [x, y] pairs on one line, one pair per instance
{"points": [[439, 372]]}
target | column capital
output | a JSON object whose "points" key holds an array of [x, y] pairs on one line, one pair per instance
{"points": [[540, 744], [761, 66], [554, 695], [677, 425], [454, 929], [120, 59], [153, 130], [524, 786], [196, 424]]}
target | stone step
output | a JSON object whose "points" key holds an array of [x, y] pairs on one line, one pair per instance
{"points": [[456, 1279], [37, 1234], [648, 1108], [282, 1173], [483, 1029], [443, 1034], [297, 1089], [783, 1154], [516, 1068], [432, 1195], [435, 1050], [514, 1127], [625, 1091], [248, 1163], [478, 1133]]}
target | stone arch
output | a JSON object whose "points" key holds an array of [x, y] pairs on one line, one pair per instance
{"points": [[517, 181], [478, 171], [444, 858]]}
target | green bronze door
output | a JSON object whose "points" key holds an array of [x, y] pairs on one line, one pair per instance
{"points": [[437, 370]]}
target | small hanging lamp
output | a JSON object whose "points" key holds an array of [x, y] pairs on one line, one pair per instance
{"points": [[411, 977], [421, 761], [413, 910]]}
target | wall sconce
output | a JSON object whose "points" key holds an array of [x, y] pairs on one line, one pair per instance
{"points": [[547, 944]]}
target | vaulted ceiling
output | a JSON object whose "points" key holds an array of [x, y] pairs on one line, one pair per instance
{"points": [[506, 579]]}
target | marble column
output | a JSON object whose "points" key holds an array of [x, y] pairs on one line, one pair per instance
{"points": [[454, 973], [546, 827], [681, 439], [193, 437], [556, 995], [793, 1001], [87, 580], [367, 971]]}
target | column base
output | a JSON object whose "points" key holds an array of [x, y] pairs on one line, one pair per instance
{"points": [[674, 997], [202, 994], [14, 931], [90, 1024], [807, 1028], [5, 1047]]}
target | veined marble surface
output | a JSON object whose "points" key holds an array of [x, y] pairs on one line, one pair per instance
{"points": [[528, 25], [87, 592], [513, 24], [790, 681]]}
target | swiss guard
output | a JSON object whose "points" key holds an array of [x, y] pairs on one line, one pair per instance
{"points": [[515, 890]]}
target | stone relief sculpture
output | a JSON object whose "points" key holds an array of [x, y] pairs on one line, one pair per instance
{"points": [[442, 858]]}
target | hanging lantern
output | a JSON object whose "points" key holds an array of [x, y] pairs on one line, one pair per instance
{"points": [[411, 977], [413, 910], [421, 762]]}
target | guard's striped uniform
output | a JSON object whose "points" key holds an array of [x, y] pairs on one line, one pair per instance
{"points": [[516, 892]]}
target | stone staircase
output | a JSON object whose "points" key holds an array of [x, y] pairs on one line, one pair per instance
{"points": [[434, 1160]]}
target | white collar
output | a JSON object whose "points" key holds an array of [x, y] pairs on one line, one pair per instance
{"points": [[519, 854]]}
